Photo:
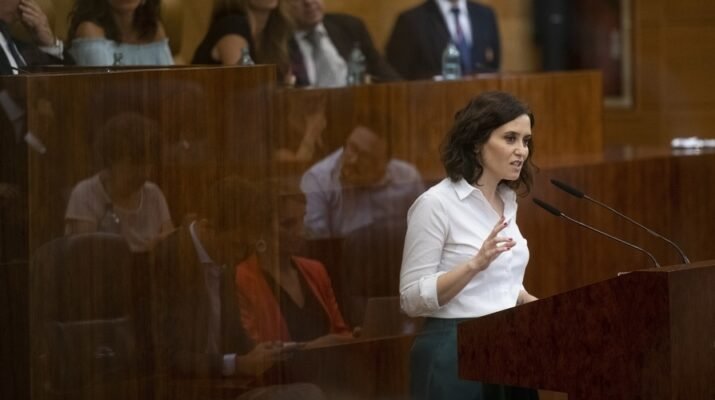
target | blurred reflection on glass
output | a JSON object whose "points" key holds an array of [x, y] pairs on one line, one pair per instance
{"points": [[13, 176], [302, 137], [358, 185], [198, 319], [84, 332], [120, 198], [288, 299], [199, 331]]}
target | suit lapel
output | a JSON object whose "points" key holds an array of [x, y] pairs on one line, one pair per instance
{"points": [[440, 36], [474, 22], [5, 68], [338, 36]]}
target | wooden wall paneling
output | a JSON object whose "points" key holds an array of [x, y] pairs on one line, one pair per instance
{"points": [[66, 130], [690, 11], [565, 256], [687, 67], [578, 104], [672, 57], [691, 206], [431, 109]]}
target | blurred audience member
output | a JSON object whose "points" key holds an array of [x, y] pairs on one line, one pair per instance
{"points": [[283, 297], [321, 47], [421, 34], [300, 137], [358, 185], [199, 327], [15, 54], [118, 32], [120, 198], [259, 27]]}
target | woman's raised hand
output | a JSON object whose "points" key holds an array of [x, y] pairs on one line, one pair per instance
{"points": [[492, 247]]}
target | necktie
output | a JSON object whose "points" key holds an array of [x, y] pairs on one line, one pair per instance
{"points": [[465, 51], [325, 72], [12, 47]]}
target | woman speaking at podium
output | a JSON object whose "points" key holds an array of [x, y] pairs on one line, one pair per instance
{"points": [[464, 255]]}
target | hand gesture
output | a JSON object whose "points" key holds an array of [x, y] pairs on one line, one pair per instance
{"points": [[492, 247], [35, 20]]}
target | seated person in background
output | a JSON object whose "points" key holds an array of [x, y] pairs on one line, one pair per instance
{"points": [[14, 54], [118, 32], [282, 296], [120, 198], [358, 185], [199, 330], [258, 26], [300, 137], [321, 47], [421, 34]]}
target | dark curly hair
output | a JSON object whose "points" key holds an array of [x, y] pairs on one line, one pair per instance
{"points": [[146, 18], [472, 128]]}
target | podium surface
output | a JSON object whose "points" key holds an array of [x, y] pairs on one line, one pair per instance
{"points": [[648, 334]]}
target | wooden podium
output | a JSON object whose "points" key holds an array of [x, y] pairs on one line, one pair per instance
{"points": [[648, 334]]}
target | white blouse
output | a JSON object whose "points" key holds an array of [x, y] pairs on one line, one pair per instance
{"points": [[446, 227]]}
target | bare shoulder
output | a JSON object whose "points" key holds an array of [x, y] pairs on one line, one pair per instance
{"points": [[89, 29], [160, 32]]}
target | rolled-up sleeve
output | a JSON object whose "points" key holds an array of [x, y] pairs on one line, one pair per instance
{"points": [[427, 228], [317, 208]]}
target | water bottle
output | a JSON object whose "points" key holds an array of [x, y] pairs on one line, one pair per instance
{"points": [[451, 62], [117, 59], [246, 57], [110, 221], [356, 66]]}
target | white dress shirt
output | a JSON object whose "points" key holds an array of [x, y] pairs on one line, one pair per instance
{"points": [[333, 210], [445, 6], [446, 227], [331, 52], [5, 47]]}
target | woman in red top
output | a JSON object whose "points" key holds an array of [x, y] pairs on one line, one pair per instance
{"points": [[284, 297]]}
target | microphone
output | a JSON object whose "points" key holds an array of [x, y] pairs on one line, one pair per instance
{"points": [[558, 213], [577, 193]]}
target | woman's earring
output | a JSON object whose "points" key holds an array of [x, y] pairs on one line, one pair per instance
{"points": [[261, 246]]}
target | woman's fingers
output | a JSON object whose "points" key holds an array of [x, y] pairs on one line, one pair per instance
{"points": [[500, 226]]}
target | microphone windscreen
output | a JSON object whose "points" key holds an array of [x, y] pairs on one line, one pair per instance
{"points": [[566, 188], [547, 207]]}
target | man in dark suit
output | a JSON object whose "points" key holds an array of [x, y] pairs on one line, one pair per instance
{"points": [[421, 34], [321, 47], [15, 54]]}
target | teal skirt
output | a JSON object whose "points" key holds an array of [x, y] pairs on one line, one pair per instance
{"points": [[434, 369]]}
